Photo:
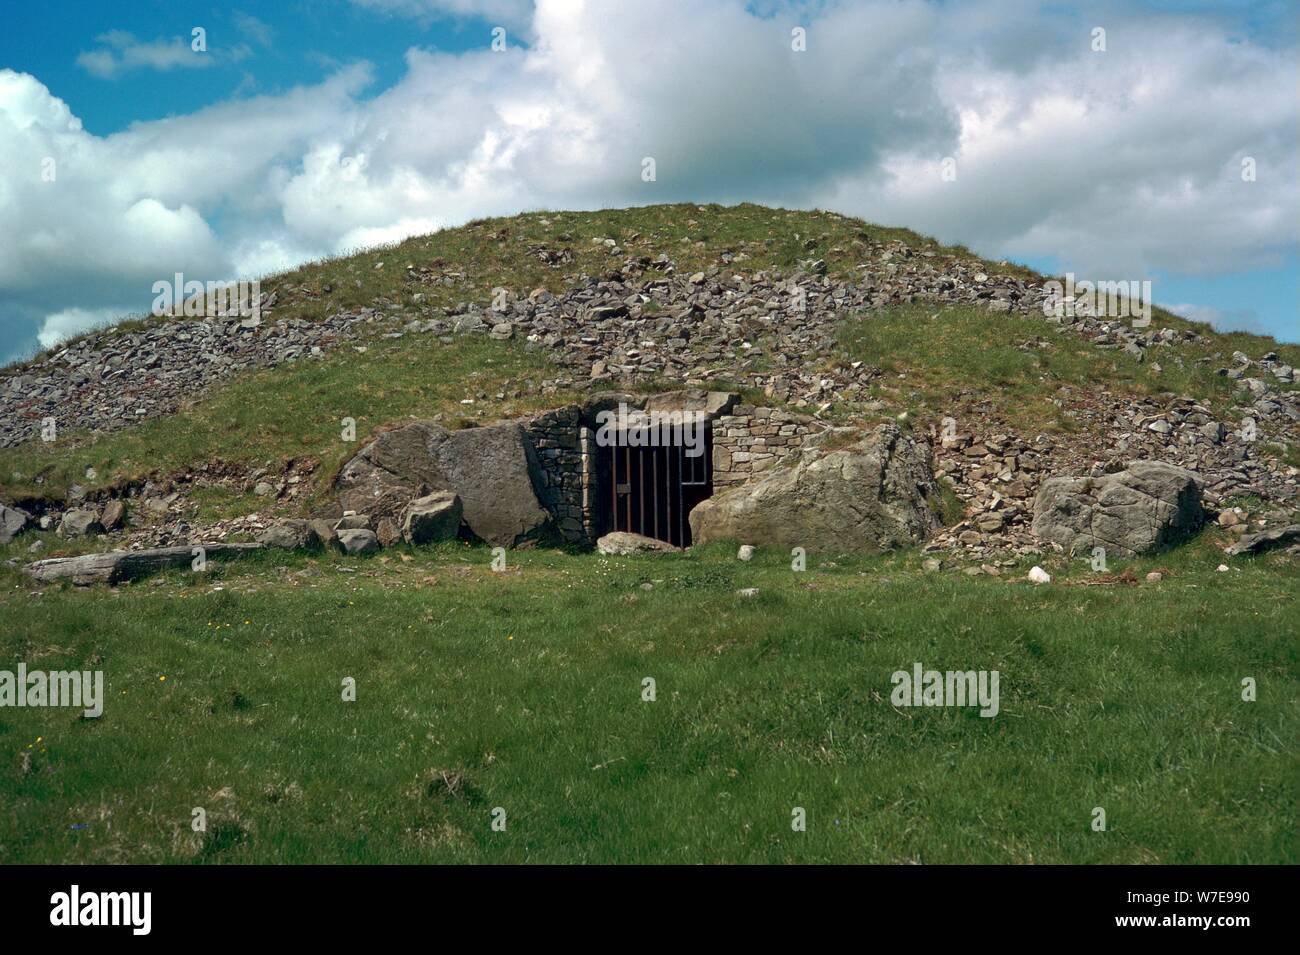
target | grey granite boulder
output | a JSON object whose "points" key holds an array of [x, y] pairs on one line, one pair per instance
{"points": [[877, 494], [1147, 506], [358, 542], [492, 469], [291, 535], [80, 523]]}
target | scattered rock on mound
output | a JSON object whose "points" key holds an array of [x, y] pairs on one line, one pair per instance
{"points": [[80, 523], [113, 516], [491, 469], [291, 535], [359, 542], [324, 531], [1149, 505], [870, 497]]}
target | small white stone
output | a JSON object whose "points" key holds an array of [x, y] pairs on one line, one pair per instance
{"points": [[1222, 568], [1039, 576], [746, 552]]}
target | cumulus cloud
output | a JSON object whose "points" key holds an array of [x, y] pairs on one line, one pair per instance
{"points": [[1117, 164]]}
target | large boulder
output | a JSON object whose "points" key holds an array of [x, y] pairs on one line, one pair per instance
{"points": [[434, 517], [876, 494], [493, 470], [12, 523], [1139, 510]]}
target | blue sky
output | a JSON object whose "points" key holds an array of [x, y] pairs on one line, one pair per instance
{"points": [[280, 45], [306, 129]]}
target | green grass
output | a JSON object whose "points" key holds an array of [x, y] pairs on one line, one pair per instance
{"points": [[528, 684], [934, 356]]}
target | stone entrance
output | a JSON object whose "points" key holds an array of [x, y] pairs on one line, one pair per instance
{"points": [[593, 485], [567, 473], [651, 490]]}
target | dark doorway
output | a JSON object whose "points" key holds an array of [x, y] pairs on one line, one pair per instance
{"points": [[650, 491]]}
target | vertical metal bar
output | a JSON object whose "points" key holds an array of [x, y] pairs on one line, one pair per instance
{"points": [[654, 482], [641, 469], [681, 493], [668, 491], [627, 473]]}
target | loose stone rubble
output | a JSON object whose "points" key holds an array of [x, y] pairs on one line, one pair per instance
{"points": [[112, 380]]}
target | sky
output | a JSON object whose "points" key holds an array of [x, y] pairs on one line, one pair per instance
{"points": [[1154, 140]]}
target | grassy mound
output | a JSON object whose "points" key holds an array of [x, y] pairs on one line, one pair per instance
{"points": [[268, 418]]}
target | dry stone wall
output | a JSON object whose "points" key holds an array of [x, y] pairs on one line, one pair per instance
{"points": [[564, 453], [751, 440]]}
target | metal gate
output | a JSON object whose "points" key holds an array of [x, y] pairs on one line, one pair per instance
{"points": [[650, 491]]}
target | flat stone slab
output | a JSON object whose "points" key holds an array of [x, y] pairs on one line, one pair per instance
{"points": [[117, 566], [621, 543]]}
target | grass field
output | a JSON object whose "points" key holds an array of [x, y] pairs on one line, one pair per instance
{"points": [[522, 689]]}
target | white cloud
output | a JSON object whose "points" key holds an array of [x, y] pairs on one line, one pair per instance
{"points": [[120, 51], [1117, 164], [73, 321]]}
